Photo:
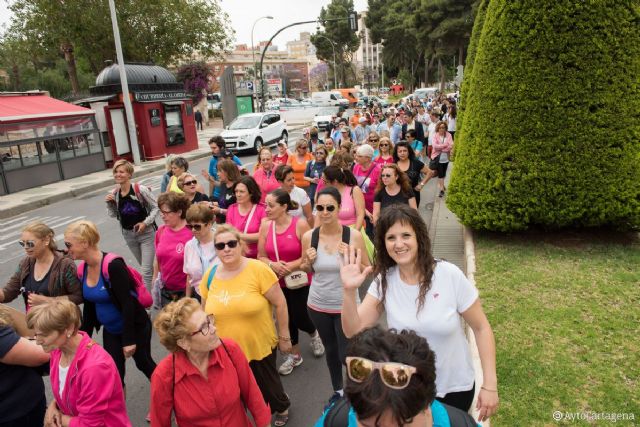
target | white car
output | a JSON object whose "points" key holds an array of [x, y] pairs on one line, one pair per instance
{"points": [[324, 116], [250, 132]]}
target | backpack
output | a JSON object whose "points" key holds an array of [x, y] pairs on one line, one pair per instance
{"points": [[140, 292], [139, 197], [338, 415], [315, 236]]}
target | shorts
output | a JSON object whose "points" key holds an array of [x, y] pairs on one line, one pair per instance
{"points": [[442, 169]]}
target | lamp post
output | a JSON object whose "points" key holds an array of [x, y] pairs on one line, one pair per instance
{"points": [[335, 70], [253, 53]]}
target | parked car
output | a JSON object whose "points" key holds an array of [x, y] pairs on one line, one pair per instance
{"points": [[324, 116], [252, 131], [306, 102]]}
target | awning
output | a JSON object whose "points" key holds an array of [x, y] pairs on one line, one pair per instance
{"points": [[18, 108], [94, 99], [173, 102]]}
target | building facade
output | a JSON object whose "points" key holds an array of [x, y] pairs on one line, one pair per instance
{"points": [[368, 57]]}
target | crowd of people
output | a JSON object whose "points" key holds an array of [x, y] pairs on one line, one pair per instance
{"points": [[238, 271]]}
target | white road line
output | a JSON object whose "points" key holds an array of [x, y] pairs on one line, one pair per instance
{"points": [[5, 223]]}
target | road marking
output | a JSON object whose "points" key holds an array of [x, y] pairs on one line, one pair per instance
{"points": [[55, 222], [5, 223]]}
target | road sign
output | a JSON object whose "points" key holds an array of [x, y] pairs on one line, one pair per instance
{"points": [[250, 86], [274, 85]]}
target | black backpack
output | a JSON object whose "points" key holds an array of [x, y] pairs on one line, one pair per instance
{"points": [[338, 415], [315, 236]]}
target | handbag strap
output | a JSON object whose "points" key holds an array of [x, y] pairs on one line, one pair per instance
{"points": [[246, 225], [275, 241]]}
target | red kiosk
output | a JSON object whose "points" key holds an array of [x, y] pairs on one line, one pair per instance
{"points": [[163, 112]]}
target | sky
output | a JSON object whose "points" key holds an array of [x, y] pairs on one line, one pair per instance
{"points": [[243, 13]]}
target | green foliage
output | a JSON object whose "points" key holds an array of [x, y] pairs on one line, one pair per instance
{"points": [[551, 132]]}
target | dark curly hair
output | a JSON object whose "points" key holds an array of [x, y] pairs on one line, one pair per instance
{"points": [[405, 144], [403, 180], [406, 215], [372, 397], [252, 188]]}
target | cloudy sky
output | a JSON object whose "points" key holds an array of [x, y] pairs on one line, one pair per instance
{"points": [[243, 14]]}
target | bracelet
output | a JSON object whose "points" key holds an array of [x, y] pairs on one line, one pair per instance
{"points": [[284, 338], [487, 389], [270, 265]]}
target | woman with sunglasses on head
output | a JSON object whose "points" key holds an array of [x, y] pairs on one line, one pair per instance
{"points": [[285, 176], [394, 188], [243, 293], [391, 382], [199, 252], [188, 183], [109, 302], [405, 158], [298, 162], [280, 247], [44, 273], [322, 249], [204, 381], [246, 214], [171, 239], [352, 206], [384, 154], [264, 173], [314, 170], [429, 296], [228, 174], [442, 145]]}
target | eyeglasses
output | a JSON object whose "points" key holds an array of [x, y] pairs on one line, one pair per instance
{"points": [[194, 182], [393, 375], [165, 212], [196, 227], [329, 208], [205, 329], [318, 153], [231, 243], [29, 244], [386, 175]]}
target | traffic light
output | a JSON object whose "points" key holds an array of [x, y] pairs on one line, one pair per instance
{"points": [[353, 21]]}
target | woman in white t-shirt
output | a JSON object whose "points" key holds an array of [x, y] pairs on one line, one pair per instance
{"points": [[284, 175], [429, 297], [199, 252]]}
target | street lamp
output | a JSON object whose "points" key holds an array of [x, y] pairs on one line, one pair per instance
{"points": [[335, 70], [253, 53]]}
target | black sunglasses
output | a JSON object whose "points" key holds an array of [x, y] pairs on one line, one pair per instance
{"points": [[231, 243], [29, 244], [386, 175], [329, 208], [194, 182], [196, 227]]}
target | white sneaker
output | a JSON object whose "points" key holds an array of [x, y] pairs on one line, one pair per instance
{"points": [[291, 362], [316, 345]]}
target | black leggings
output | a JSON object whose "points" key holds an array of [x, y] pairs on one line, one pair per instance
{"points": [[269, 383], [144, 362], [298, 315], [460, 399], [335, 343]]}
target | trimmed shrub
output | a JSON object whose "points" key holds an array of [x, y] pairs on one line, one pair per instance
{"points": [[551, 130]]}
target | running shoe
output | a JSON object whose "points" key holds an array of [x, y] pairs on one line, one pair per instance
{"points": [[316, 345], [291, 362]]}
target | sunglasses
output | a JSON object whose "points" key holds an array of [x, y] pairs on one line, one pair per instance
{"points": [[393, 375], [373, 139], [231, 243], [194, 182], [29, 244], [386, 175], [383, 145], [196, 227], [329, 208]]}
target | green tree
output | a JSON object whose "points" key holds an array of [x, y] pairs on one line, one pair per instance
{"points": [[345, 41], [551, 135]]}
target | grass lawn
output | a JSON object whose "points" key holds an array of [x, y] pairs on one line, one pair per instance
{"points": [[565, 310]]}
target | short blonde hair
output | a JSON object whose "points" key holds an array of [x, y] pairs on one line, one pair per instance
{"points": [[172, 323], [200, 212], [228, 228], [54, 316], [128, 167], [182, 178], [85, 231]]}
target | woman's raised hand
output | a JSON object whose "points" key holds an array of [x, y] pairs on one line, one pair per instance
{"points": [[351, 271]]}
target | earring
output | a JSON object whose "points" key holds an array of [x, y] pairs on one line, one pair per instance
{"points": [[68, 335]]}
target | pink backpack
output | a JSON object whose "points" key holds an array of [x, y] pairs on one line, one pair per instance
{"points": [[140, 292]]}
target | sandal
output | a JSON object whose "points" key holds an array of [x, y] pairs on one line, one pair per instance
{"points": [[281, 419]]}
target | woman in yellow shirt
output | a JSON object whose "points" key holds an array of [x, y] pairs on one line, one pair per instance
{"points": [[298, 162], [241, 293]]}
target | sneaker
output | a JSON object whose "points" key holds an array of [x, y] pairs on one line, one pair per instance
{"points": [[148, 417], [333, 399], [441, 193], [291, 362], [316, 346]]}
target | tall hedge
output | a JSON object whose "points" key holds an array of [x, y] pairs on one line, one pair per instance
{"points": [[551, 130]]}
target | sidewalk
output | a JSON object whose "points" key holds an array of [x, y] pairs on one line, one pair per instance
{"points": [[453, 242]]}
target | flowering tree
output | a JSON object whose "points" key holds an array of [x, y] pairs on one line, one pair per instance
{"points": [[195, 77]]}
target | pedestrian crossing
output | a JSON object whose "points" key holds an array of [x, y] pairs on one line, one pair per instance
{"points": [[12, 229]]}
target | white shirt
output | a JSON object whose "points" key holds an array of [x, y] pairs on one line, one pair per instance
{"points": [[432, 132], [197, 259], [301, 197], [62, 377], [439, 320]]}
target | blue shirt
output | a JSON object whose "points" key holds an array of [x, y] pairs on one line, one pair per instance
{"points": [[108, 314], [439, 414]]}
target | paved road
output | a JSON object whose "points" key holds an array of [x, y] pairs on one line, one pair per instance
{"points": [[308, 386]]}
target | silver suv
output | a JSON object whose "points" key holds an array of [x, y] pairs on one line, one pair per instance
{"points": [[254, 130]]}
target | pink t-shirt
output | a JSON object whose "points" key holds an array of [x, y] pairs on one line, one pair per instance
{"points": [[380, 161], [266, 181], [367, 181], [289, 245], [347, 214], [240, 222], [170, 254]]}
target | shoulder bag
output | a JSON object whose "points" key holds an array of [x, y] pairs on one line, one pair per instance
{"points": [[296, 279]]}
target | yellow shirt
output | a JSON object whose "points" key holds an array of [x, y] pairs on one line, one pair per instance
{"points": [[173, 186], [241, 311]]}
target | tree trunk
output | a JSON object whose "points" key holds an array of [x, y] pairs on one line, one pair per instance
{"points": [[426, 70], [67, 49], [442, 74], [461, 58], [430, 66], [16, 77]]}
